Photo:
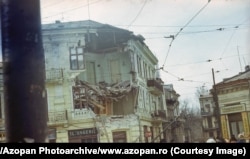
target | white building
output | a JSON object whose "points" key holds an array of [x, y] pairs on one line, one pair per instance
{"points": [[101, 84]]}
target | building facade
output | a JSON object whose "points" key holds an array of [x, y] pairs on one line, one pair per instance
{"points": [[234, 103], [101, 84], [174, 125], [209, 119]]}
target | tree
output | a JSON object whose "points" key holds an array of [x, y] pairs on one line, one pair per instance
{"points": [[191, 114]]}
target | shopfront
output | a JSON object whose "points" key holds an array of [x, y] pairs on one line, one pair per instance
{"points": [[234, 120], [88, 135]]}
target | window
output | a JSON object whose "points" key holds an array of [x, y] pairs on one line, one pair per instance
{"points": [[76, 58], [152, 132], [145, 130], [51, 135], [209, 122], [115, 71], [145, 70], [208, 107], [139, 65], [202, 110], [79, 94], [91, 73], [119, 137]]}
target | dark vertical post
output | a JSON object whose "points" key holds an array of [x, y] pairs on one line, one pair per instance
{"points": [[24, 71], [217, 109]]}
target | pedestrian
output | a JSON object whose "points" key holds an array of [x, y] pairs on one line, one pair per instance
{"points": [[241, 138], [233, 139], [220, 139], [226, 140], [211, 140], [163, 141]]}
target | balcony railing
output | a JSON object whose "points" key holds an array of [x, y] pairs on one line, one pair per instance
{"points": [[84, 113], [66, 116], [154, 86], [206, 113], [207, 128], [160, 114], [58, 117], [54, 74]]}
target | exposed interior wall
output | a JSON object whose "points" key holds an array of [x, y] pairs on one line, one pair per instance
{"points": [[124, 106]]}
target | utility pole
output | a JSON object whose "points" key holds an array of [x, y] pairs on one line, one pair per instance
{"points": [[24, 71], [217, 109]]}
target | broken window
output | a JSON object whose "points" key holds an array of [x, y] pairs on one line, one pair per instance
{"points": [[79, 98], [76, 58]]}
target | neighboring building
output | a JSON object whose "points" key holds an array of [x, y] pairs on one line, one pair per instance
{"points": [[102, 85], [174, 124], [209, 119], [234, 103]]}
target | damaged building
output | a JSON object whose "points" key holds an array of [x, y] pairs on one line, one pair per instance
{"points": [[102, 85]]}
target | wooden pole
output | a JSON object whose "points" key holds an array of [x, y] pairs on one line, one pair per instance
{"points": [[217, 109], [24, 71]]}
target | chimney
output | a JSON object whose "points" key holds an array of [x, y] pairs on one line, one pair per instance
{"points": [[247, 68]]}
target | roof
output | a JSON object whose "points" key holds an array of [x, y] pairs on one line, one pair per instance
{"points": [[71, 25], [78, 24], [240, 76]]}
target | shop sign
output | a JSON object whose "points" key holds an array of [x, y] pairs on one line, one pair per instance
{"points": [[82, 132], [232, 109]]}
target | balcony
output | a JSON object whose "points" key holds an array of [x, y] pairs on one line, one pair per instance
{"points": [[63, 117], [58, 117], [54, 74], [207, 128], [154, 87], [84, 113], [159, 116], [203, 113]]}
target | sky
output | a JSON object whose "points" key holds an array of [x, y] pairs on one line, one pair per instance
{"points": [[208, 34]]}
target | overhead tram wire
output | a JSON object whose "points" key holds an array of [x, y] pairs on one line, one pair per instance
{"points": [[72, 9], [204, 61], [52, 4], [193, 32], [175, 36], [181, 79], [230, 38], [145, 1]]}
